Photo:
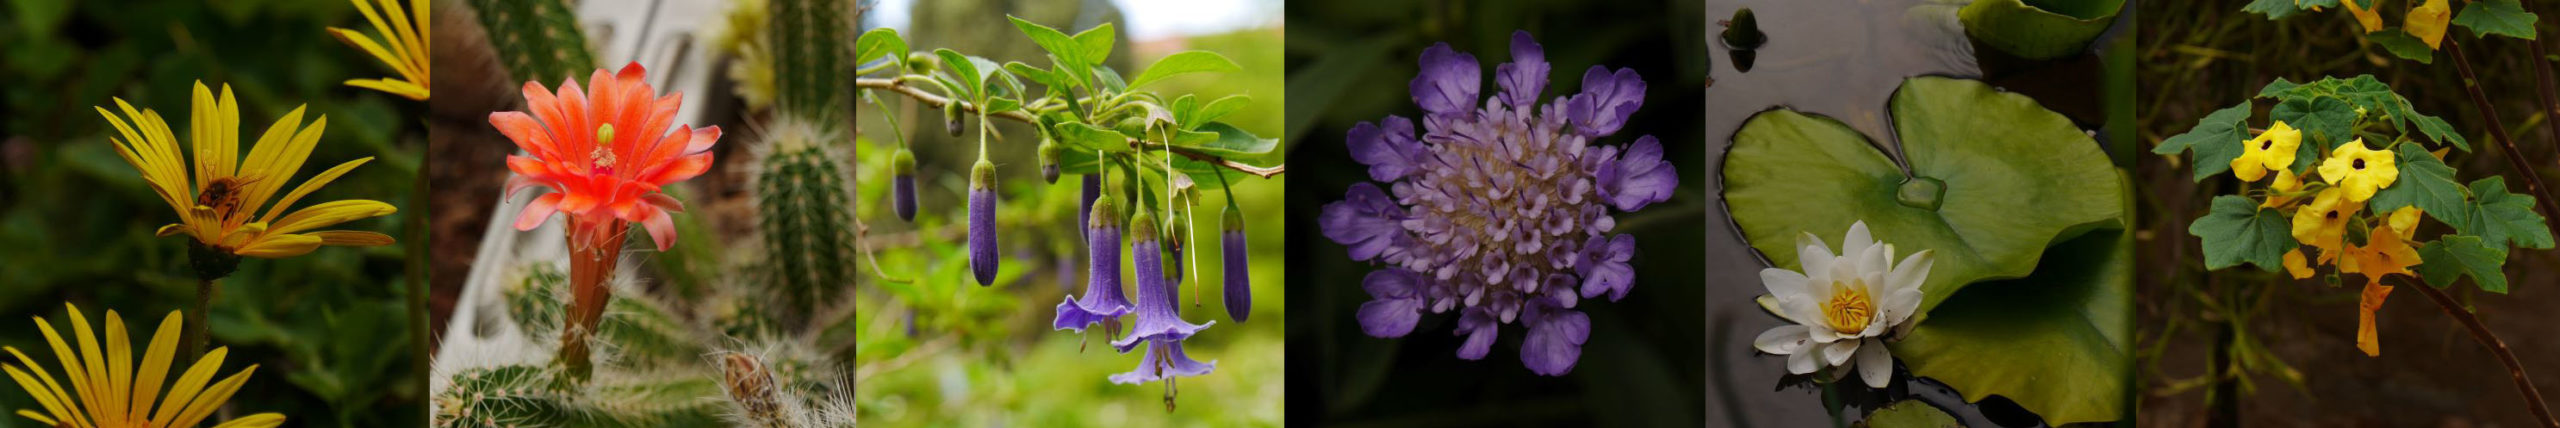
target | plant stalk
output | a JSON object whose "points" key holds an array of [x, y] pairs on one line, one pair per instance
{"points": [[594, 251], [932, 100], [2515, 157], [2480, 332], [197, 332]]}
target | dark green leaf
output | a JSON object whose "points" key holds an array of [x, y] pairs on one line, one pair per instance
{"points": [[1910, 414], [2425, 182], [2500, 218], [2076, 314], [2500, 17], [2401, 44], [2325, 122], [2273, 9], [2215, 140], [2452, 257], [1232, 144], [2237, 231]]}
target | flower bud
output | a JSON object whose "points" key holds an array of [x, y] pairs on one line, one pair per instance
{"points": [[982, 222], [951, 117], [902, 183], [1239, 275], [922, 63], [1092, 191], [1049, 160]]}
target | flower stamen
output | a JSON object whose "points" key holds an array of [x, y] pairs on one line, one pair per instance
{"points": [[1850, 309]]}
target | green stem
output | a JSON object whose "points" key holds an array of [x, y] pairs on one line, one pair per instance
{"points": [[932, 100], [197, 332]]}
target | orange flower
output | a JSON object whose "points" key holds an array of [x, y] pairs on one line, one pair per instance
{"points": [[2367, 339], [601, 177]]}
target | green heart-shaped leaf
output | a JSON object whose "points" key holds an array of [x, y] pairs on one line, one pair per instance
{"points": [[1994, 179], [2500, 17], [2501, 218], [2452, 257], [2038, 29], [2059, 342]]}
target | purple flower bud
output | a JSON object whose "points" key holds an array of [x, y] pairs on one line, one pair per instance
{"points": [[982, 222], [902, 183], [1084, 212], [1102, 300], [1239, 274], [1157, 318]]}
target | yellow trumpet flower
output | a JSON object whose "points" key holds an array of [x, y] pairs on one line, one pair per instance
{"points": [[2368, 17], [104, 390], [2428, 21], [2272, 150], [217, 204], [407, 53], [2359, 170]]}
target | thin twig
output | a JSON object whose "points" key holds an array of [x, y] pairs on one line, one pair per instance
{"points": [[2480, 332], [2515, 157], [937, 101]]}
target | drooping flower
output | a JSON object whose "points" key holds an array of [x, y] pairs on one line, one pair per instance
{"points": [[406, 30], [106, 390], [2359, 170], [597, 178], [1495, 204], [2368, 17], [1231, 245], [2368, 338], [2427, 21], [218, 197], [1158, 321], [1164, 361], [2323, 223], [2385, 253], [1103, 301], [2297, 265], [1092, 191], [902, 187], [982, 222], [1844, 305], [2271, 150]]}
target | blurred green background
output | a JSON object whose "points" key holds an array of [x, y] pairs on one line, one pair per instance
{"points": [[942, 351], [328, 330], [1350, 61]]}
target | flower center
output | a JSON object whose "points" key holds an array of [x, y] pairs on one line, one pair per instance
{"points": [[2266, 145], [1850, 309], [222, 195], [2359, 164], [2333, 214]]}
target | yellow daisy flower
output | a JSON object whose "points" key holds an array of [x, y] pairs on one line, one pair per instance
{"points": [[2370, 18], [217, 203], [408, 51], [2427, 22], [105, 391], [2359, 170], [2323, 223], [2271, 150]]}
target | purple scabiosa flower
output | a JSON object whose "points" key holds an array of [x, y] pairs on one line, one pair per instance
{"points": [[1103, 302], [1239, 274], [902, 178], [1157, 318], [1501, 208], [982, 222]]}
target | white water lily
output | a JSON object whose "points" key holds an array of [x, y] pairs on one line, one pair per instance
{"points": [[1844, 305]]}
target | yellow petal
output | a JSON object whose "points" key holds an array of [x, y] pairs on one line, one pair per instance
{"points": [[261, 420], [2427, 21], [394, 87], [155, 364], [212, 398], [2295, 264], [310, 185], [273, 159], [2367, 337], [352, 238], [277, 246], [95, 391], [173, 229], [330, 213], [2369, 18], [49, 396], [29, 414], [119, 372], [190, 385]]}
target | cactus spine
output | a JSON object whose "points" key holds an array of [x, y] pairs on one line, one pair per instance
{"points": [[803, 204], [812, 41], [538, 40]]}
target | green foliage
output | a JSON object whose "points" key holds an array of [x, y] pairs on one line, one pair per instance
{"points": [[2500, 218], [2076, 311], [539, 40], [807, 227], [1910, 414], [2499, 17], [2424, 182], [2365, 97], [2042, 29], [2238, 231], [2403, 45], [2455, 256]]}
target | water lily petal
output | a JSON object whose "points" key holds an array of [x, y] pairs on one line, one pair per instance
{"points": [[1783, 340], [1875, 364]]}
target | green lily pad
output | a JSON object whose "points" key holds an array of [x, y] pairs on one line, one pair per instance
{"points": [[1910, 414], [2008, 177], [2059, 342], [2039, 29]]}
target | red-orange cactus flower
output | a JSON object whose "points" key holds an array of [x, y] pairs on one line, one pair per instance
{"points": [[605, 154]]}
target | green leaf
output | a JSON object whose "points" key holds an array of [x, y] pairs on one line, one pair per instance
{"points": [[2015, 178], [877, 42], [2273, 9], [1910, 414], [2500, 218], [1065, 50], [2059, 342], [2237, 231], [2325, 122], [1185, 62], [973, 82], [1089, 138], [2403, 45], [1222, 107], [1096, 43], [2425, 182], [1232, 144], [2370, 94], [2216, 140], [2038, 29], [1053, 80], [2500, 17], [2452, 257]]}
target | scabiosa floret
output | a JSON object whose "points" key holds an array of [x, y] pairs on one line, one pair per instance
{"points": [[982, 222], [1501, 208], [1239, 297], [1103, 301], [902, 183], [1157, 318]]}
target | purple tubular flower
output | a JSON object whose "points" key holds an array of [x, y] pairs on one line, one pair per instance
{"points": [[1499, 209], [1239, 274], [1157, 318], [982, 222], [902, 170], [1102, 300], [1164, 360], [1084, 212]]}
